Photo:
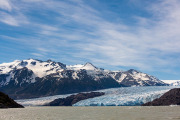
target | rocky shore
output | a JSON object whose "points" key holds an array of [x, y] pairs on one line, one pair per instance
{"points": [[7, 102]]}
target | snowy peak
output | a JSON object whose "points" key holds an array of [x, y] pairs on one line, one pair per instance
{"points": [[7, 67], [139, 75], [89, 66], [132, 71], [136, 78]]}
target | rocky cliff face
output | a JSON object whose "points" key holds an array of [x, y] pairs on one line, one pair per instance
{"points": [[35, 78], [6, 102], [172, 97]]}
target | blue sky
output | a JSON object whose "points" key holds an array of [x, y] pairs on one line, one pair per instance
{"points": [[112, 34]]}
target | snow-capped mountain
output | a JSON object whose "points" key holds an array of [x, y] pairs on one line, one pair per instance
{"points": [[136, 78], [39, 68], [35, 78], [87, 66], [177, 83], [172, 82]]}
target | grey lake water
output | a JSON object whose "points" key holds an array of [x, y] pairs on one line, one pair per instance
{"points": [[119, 104], [92, 113]]}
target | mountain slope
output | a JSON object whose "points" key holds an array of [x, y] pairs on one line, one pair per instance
{"points": [[36, 78], [136, 78]]}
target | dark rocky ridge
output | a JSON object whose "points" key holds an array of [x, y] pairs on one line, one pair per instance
{"points": [[7, 102], [171, 97], [69, 101]]}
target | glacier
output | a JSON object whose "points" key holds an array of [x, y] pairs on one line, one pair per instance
{"points": [[126, 96], [123, 96], [40, 101]]}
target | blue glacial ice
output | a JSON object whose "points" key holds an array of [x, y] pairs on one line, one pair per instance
{"points": [[126, 96]]}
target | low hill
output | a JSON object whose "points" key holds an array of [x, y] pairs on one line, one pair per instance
{"points": [[70, 100], [7, 102]]}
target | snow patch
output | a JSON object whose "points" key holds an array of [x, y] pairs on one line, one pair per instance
{"points": [[141, 76], [75, 75], [122, 77]]}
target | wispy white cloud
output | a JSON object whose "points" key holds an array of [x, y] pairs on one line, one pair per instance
{"points": [[38, 55], [8, 19], [145, 48], [5, 5], [11, 14], [81, 32]]}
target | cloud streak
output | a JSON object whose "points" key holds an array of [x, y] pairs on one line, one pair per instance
{"points": [[77, 30], [6, 5]]}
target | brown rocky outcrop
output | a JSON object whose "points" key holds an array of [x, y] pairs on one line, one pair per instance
{"points": [[69, 101], [171, 97]]}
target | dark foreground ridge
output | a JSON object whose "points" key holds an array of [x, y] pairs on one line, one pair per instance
{"points": [[69, 101], [7, 102], [171, 97]]}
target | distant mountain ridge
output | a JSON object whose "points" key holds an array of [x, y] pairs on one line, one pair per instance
{"points": [[35, 78], [172, 82]]}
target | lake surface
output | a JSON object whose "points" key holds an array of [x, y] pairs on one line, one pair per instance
{"points": [[92, 113]]}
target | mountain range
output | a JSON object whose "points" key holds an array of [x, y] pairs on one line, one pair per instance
{"points": [[35, 78]]}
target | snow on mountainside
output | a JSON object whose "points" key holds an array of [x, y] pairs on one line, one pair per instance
{"points": [[39, 68], [45, 78], [74, 67], [43, 68], [136, 78], [87, 66]]}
